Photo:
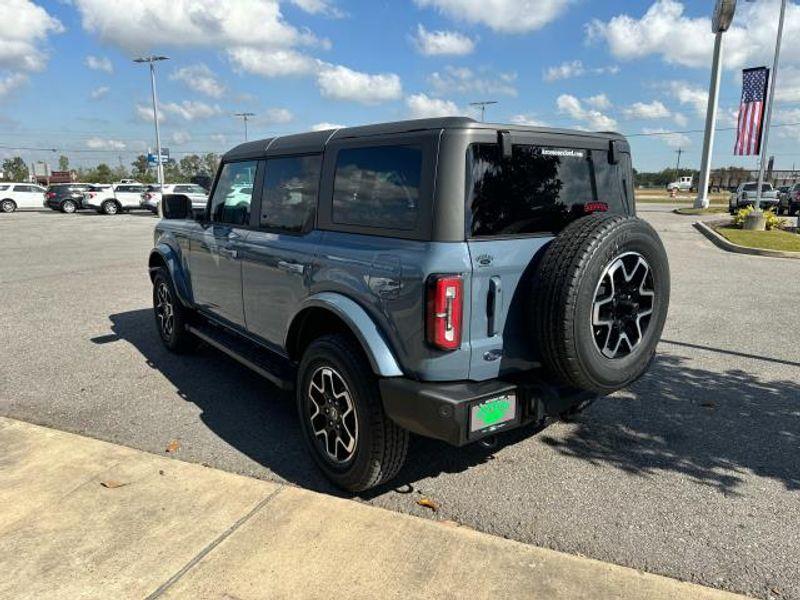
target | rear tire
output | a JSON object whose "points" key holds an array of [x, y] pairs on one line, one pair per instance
{"points": [[341, 414], [109, 207], [8, 206], [68, 207], [170, 315], [601, 295]]}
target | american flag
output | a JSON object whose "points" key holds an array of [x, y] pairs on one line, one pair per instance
{"points": [[751, 111]]}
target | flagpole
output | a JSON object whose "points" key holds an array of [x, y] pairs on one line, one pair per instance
{"points": [[768, 114]]}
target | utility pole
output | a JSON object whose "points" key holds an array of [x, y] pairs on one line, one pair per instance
{"points": [[482, 105], [723, 15], [768, 114], [245, 116], [151, 60], [679, 152]]}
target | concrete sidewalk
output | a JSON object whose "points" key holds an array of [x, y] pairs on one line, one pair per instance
{"points": [[81, 518]]}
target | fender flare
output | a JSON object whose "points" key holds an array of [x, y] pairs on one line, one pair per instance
{"points": [[372, 340], [164, 253]]}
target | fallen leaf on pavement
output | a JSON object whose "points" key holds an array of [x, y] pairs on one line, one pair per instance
{"points": [[173, 446], [428, 503], [111, 484]]}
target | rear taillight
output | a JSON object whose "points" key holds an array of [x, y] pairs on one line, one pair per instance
{"points": [[797, 195], [148, 196], [593, 207], [51, 195], [444, 311]]}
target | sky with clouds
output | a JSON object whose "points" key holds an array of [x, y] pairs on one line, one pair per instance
{"points": [[640, 67]]}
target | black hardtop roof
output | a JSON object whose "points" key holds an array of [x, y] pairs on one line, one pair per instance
{"points": [[315, 141]]}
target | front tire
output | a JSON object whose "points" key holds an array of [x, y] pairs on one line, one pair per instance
{"points": [[341, 414], [8, 206], [68, 207], [170, 315]]}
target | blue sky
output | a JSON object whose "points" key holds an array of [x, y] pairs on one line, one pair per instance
{"points": [[637, 66]]}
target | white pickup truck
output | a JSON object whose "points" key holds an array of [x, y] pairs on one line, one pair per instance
{"points": [[684, 184], [745, 195]]}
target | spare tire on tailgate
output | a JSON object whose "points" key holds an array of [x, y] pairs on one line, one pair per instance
{"points": [[600, 299]]}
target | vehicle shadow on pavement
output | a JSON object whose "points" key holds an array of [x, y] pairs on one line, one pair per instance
{"points": [[260, 421], [710, 427]]}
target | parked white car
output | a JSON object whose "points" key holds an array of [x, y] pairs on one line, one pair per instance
{"points": [[684, 184], [197, 194], [111, 200], [20, 195]]}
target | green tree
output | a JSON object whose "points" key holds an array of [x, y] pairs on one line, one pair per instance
{"points": [[63, 163], [191, 166], [14, 169], [103, 174], [211, 163]]}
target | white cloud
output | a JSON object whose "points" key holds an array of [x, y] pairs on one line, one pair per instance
{"points": [[529, 120], [191, 110], [97, 143], [26, 27], [599, 101], [99, 92], [438, 43], [647, 110], [324, 126], [199, 78], [505, 16], [565, 70], [272, 63], [318, 7], [275, 116], [464, 81], [422, 106], [219, 138], [673, 140], [664, 30], [594, 119], [144, 112], [680, 119], [180, 137], [99, 63], [691, 95], [11, 82], [338, 82]]}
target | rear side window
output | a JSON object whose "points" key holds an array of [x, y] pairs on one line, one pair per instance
{"points": [[234, 193], [289, 199], [378, 187], [539, 189]]}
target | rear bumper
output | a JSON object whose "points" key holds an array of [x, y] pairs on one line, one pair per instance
{"points": [[442, 410]]}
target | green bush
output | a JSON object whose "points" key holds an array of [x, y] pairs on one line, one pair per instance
{"points": [[771, 219]]}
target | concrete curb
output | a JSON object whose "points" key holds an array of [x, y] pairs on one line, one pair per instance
{"points": [[90, 519], [721, 242]]}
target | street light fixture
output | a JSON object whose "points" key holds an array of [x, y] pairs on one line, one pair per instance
{"points": [[720, 23], [151, 60], [245, 116]]}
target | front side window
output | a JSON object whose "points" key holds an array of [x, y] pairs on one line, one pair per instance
{"points": [[378, 187], [234, 193], [539, 189], [289, 200]]}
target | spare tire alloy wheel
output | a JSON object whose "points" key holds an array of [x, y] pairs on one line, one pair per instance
{"points": [[165, 312], [600, 300], [68, 207], [623, 305], [7, 206]]}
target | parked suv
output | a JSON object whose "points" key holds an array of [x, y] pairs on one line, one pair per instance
{"points": [[110, 200], [66, 197], [789, 201], [197, 194], [20, 195], [443, 277]]}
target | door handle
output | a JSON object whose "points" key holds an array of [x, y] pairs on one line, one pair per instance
{"points": [[291, 267], [494, 305]]}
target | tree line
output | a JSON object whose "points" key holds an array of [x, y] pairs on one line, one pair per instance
{"points": [[175, 171], [661, 179]]}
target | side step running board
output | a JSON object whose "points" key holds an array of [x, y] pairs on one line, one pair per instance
{"points": [[252, 356]]}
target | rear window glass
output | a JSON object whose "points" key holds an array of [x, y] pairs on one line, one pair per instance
{"points": [[539, 189], [378, 187], [752, 187]]}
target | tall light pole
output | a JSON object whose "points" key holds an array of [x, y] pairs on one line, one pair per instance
{"points": [[151, 60], [768, 113], [723, 15], [482, 105], [245, 116]]}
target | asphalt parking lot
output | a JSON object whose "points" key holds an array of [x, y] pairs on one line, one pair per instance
{"points": [[693, 473]]}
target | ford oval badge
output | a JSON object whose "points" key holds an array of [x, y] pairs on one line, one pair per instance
{"points": [[484, 260]]}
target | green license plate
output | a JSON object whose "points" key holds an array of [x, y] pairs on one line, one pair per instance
{"points": [[493, 412]]}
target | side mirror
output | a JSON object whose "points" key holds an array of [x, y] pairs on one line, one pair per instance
{"points": [[176, 206]]}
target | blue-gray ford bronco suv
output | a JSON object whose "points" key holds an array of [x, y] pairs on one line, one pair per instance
{"points": [[442, 277]]}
